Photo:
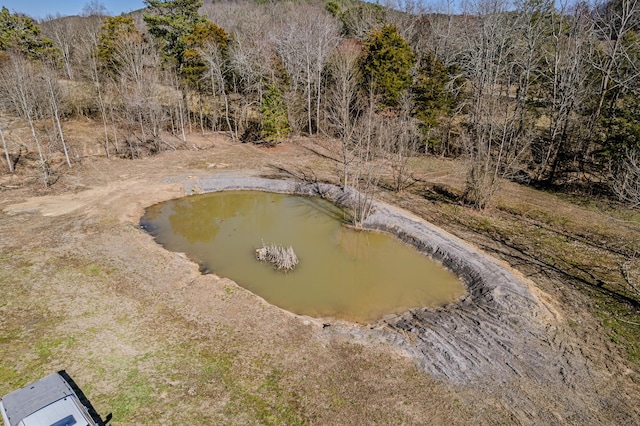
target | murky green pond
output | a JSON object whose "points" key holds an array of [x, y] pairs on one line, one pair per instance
{"points": [[343, 273]]}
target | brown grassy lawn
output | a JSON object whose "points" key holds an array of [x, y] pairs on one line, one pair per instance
{"points": [[148, 338]]}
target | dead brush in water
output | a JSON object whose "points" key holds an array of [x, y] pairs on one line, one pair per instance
{"points": [[280, 257]]}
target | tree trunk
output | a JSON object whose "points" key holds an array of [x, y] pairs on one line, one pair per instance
{"points": [[43, 163], [6, 150], [54, 109]]}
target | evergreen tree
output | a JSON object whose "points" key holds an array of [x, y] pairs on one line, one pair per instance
{"points": [[113, 30], [171, 22], [432, 100], [204, 37], [21, 33], [275, 124], [387, 65], [358, 18]]}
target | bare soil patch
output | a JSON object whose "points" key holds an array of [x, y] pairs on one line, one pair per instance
{"points": [[152, 340]]}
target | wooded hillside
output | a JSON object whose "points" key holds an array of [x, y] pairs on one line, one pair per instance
{"points": [[528, 91]]}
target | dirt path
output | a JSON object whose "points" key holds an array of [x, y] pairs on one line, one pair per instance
{"points": [[87, 290]]}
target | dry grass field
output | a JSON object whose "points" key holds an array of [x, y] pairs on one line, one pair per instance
{"points": [[150, 339]]}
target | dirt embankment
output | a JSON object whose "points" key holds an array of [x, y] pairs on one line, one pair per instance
{"points": [[504, 350]]}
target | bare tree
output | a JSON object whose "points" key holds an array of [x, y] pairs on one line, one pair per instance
{"points": [[327, 38], [94, 8], [178, 103], [366, 170], [626, 178], [139, 81], [6, 150], [90, 69], [63, 32], [565, 86], [343, 106], [251, 59], [98, 83], [498, 128], [400, 139], [304, 48], [218, 67], [613, 21], [360, 130], [445, 36], [19, 82], [54, 96]]}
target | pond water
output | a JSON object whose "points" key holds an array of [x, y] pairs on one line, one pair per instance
{"points": [[343, 273]]}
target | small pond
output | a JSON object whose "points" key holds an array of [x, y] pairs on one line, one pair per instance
{"points": [[343, 273]]}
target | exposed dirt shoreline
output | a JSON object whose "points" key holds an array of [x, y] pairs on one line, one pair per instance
{"points": [[495, 295]]}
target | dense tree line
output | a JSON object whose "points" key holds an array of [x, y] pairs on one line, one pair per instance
{"points": [[531, 90]]}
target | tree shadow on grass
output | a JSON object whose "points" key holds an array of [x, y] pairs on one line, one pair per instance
{"points": [[327, 155], [518, 256], [439, 193]]}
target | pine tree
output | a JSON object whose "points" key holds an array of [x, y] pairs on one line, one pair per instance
{"points": [[275, 124], [21, 33], [432, 100], [171, 22], [205, 36], [114, 29], [387, 65]]}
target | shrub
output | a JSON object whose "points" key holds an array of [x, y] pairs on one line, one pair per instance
{"points": [[280, 257]]}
